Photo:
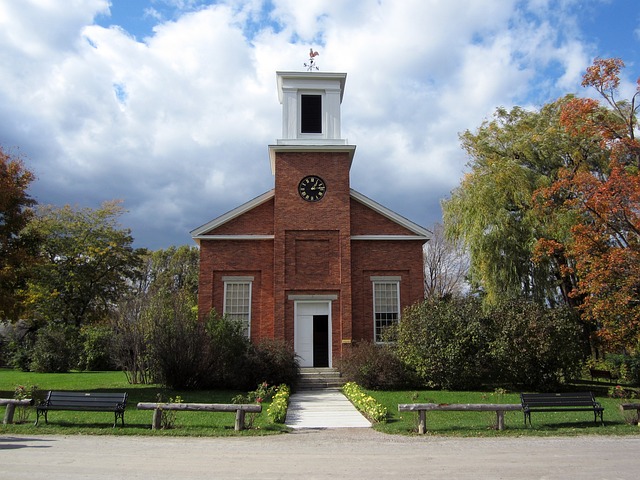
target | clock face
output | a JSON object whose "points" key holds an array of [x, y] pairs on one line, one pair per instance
{"points": [[312, 188]]}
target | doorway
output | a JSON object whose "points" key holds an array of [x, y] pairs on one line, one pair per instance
{"points": [[312, 335]]}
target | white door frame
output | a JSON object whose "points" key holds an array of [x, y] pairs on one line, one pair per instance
{"points": [[304, 308]]}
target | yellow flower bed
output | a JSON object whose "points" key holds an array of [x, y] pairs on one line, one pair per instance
{"points": [[365, 403]]}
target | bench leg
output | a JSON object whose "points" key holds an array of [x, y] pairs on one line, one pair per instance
{"points": [[156, 423], [500, 415], [40, 412], [422, 422], [8, 414], [239, 420]]}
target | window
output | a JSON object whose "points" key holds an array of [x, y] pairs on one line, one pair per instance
{"points": [[386, 306], [237, 301], [311, 114]]}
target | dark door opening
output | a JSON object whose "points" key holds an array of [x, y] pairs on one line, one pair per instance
{"points": [[321, 341]]}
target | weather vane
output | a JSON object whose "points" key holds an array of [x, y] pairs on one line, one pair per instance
{"points": [[312, 63]]}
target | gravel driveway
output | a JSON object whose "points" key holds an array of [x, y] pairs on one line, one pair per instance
{"points": [[340, 453]]}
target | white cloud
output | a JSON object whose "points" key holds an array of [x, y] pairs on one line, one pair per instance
{"points": [[178, 124]]}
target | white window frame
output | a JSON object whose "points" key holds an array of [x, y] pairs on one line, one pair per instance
{"points": [[232, 307], [380, 308]]}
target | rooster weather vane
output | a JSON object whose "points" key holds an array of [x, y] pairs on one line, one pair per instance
{"points": [[312, 63]]}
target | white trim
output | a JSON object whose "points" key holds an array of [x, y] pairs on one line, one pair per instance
{"points": [[383, 279], [378, 280], [312, 298], [421, 232], [230, 215], [388, 237], [237, 279], [234, 237], [241, 281], [296, 339]]}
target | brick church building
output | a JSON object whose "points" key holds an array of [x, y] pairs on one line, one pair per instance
{"points": [[311, 261]]}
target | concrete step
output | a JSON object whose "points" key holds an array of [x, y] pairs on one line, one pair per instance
{"points": [[319, 378]]}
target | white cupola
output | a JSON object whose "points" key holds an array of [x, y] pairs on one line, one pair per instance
{"points": [[310, 107]]}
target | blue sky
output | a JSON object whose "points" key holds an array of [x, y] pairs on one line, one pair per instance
{"points": [[169, 105]]}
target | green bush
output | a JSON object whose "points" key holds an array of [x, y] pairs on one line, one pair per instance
{"points": [[534, 346], [54, 350], [96, 346], [274, 362], [375, 367], [445, 342], [178, 344], [455, 344], [226, 352], [627, 367]]}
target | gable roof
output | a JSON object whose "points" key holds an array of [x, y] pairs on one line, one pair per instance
{"points": [[391, 215], [230, 215], [420, 232]]}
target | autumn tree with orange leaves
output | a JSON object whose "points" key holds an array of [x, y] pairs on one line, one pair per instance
{"points": [[17, 251], [604, 243]]}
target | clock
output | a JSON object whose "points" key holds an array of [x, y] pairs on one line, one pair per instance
{"points": [[312, 188]]}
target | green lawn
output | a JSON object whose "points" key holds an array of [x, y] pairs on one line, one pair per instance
{"points": [[470, 424], [473, 424], [137, 422]]}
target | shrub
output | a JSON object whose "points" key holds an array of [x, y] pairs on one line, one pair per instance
{"points": [[445, 342], [226, 353], [365, 403], [626, 366], [274, 362], [96, 346], [376, 367], [534, 346], [178, 344], [455, 344], [54, 350]]}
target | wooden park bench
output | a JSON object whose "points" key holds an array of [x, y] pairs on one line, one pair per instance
{"points": [[423, 408], [83, 401], [239, 409], [11, 404], [601, 374], [560, 402]]}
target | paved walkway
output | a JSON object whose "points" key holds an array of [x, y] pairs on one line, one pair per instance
{"points": [[326, 408]]}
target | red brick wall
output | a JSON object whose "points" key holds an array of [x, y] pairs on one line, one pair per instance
{"points": [[258, 221], [383, 258], [254, 258]]}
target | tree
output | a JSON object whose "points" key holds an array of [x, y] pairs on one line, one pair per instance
{"points": [[17, 251], [604, 240], [492, 211], [163, 297], [446, 266], [86, 263]]}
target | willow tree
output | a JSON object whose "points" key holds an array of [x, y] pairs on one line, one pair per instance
{"points": [[492, 211]]}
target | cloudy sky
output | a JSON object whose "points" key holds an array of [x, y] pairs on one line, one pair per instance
{"points": [[170, 105]]}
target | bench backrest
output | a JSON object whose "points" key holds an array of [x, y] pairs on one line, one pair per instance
{"points": [[86, 400], [564, 399]]}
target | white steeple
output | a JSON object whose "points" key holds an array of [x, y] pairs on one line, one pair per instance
{"points": [[310, 107]]}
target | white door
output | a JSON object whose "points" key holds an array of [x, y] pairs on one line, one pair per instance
{"points": [[304, 331]]}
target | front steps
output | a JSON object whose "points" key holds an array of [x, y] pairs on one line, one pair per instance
{"points": [[319, 378]]}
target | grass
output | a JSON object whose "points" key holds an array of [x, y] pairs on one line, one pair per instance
{"points": [[137, 422], [482, 424]]}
